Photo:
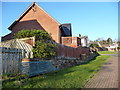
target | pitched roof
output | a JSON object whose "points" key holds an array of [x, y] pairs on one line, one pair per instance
{"points": [[84, 37], [25, 12]]}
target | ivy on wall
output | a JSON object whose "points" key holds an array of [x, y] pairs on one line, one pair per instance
{"points": [[44, 45]]}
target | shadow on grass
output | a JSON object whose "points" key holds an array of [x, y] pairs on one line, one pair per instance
{"points": [[62, 72], [65, 70]]}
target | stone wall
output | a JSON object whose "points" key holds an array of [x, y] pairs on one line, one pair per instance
{"points": [[72, 62], [34, 67]]}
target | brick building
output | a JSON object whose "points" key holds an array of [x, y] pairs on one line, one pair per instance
{"points": [[71, 41], [37, 18]]}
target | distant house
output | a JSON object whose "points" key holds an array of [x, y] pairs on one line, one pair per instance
{"points": [[112, 47], [84, 41], [76, 41]]}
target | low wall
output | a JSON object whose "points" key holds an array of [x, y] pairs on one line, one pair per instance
{"points": [[34, 67]]}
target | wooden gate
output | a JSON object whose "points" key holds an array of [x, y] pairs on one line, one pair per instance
{"points": [[11, 60], [12, 51]]}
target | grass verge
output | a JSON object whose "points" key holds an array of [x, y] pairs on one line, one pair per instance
{"points": [[73, 77], [106, 52]]}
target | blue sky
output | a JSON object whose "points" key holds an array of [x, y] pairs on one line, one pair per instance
{"points": [[94, 19]]}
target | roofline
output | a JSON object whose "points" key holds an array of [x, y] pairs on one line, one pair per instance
{"points": [[65, 23], [7, 34], [25, 12], [47, 13], [84, 37], [21, 16]]}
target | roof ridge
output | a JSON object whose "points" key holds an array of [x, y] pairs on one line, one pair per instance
{"points": [[47, 13], [27, 10], [20, 17]]}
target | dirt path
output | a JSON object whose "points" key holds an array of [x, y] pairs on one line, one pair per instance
{"points": [[107, 77]]}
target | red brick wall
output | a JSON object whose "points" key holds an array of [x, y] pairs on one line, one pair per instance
{"points": [[27, 24], [71, 41], [39, 19]]}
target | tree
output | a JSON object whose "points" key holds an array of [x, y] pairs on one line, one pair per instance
{"points": [[103, 42], [79, 35], [109, 40], [44, 45]]}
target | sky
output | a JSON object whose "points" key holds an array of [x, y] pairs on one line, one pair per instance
{"points": [[92, 19]]}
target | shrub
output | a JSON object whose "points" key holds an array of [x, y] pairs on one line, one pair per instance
{"points": [[40, 34], [44, 50], [118, 48], [94, 45], [44, 45]]}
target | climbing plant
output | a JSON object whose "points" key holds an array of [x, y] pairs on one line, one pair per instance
{"points": [[44, 45]]}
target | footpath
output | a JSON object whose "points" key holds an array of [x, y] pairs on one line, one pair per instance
{"points": [[107, 77]]}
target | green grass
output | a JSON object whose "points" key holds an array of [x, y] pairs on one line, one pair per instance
{"points": [[73, 77], [106, 52]]}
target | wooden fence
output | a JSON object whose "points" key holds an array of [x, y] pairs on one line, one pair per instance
{"points": [[12, 52], [11, 60], [70, 52]]}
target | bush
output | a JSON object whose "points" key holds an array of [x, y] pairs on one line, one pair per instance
{"points": [[44, 45], [118, 48], [44, 50], [40, 34], [94, 45]]}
